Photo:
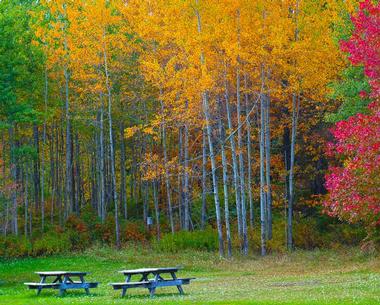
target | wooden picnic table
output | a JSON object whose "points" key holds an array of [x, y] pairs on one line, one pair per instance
{"points": [[62, 280], [156, 280]]}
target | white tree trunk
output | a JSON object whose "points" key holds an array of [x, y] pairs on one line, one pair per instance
{"points": [[262, 179], [225, 181], [112, 153], [241, 167], [211, 149], [167, 178], [235, 166], [249, 165]]}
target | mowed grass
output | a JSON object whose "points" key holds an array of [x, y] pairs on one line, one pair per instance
{"points": [[314, 277]]}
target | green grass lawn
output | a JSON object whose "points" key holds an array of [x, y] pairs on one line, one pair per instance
{"points": [[318, 277]]}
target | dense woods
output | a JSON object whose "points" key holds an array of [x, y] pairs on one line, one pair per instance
{"points": [[125, 118]]}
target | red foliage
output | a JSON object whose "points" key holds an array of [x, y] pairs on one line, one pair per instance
{"points": [[364, 44], [354, 191], [354, 188]]}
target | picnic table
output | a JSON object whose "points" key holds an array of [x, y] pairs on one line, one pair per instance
{"points": [[62, 280], [156, 280]]}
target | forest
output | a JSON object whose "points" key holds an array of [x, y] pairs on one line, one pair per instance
{"points": [[238, 127]]}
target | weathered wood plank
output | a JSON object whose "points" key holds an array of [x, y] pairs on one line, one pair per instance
{"points": [[61, 273], [150, 270], [174, 282], [121, 285], [78, 285], [75, 285], [42, 285]]}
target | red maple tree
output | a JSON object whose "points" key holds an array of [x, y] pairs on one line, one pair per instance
{"points": [[354, 187]]}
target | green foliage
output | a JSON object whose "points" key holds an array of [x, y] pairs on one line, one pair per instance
{"points": [[348, 91], [25, 153], [309, 233], [51, 243], [12, 246], [196, 240], [21, 65]]}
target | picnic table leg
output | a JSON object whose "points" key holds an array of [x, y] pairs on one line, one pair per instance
{"points": [[179, 287], [62, 290], [41, 282], [156, 278], [124, 290], [145, 278], [82, 281]]}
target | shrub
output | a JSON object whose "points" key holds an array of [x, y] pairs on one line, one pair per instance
{"points": [[134, 232], [12, 246], [306, 235], [51, 243], [196, 240]]}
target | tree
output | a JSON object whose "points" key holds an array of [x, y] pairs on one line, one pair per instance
{"points": [[353, 186], [20, 88]]}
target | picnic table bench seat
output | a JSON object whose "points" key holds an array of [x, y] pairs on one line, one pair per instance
{"points": [[42, 285], [152, 283], [58, 285], [121, 285]]}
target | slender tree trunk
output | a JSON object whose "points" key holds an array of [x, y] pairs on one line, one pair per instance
{"points": [[26, 200], [241, 167], [204, 177], [145, 201], [235, 166], [14, 181], [43, 155], [68, 195], [69, 165], [36, 172], [94, 177], [205, 103], [112, 153], [225, 181], [267, 171], [186, 178], [213, 172], [60, 174], [102, 187], [295, 110], [53, 172], [134, 175], [78, 176], [180, 183], [167, 178], [97, 164], [249, 165], [262, 178], [123, 185], [73, 174], [156, 209]]}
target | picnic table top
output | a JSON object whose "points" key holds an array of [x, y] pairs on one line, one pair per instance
{"points": [[150, 270], [58, 273]]}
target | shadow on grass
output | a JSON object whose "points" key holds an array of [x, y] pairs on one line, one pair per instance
{"points": [[67, 295], [148, 297]]}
